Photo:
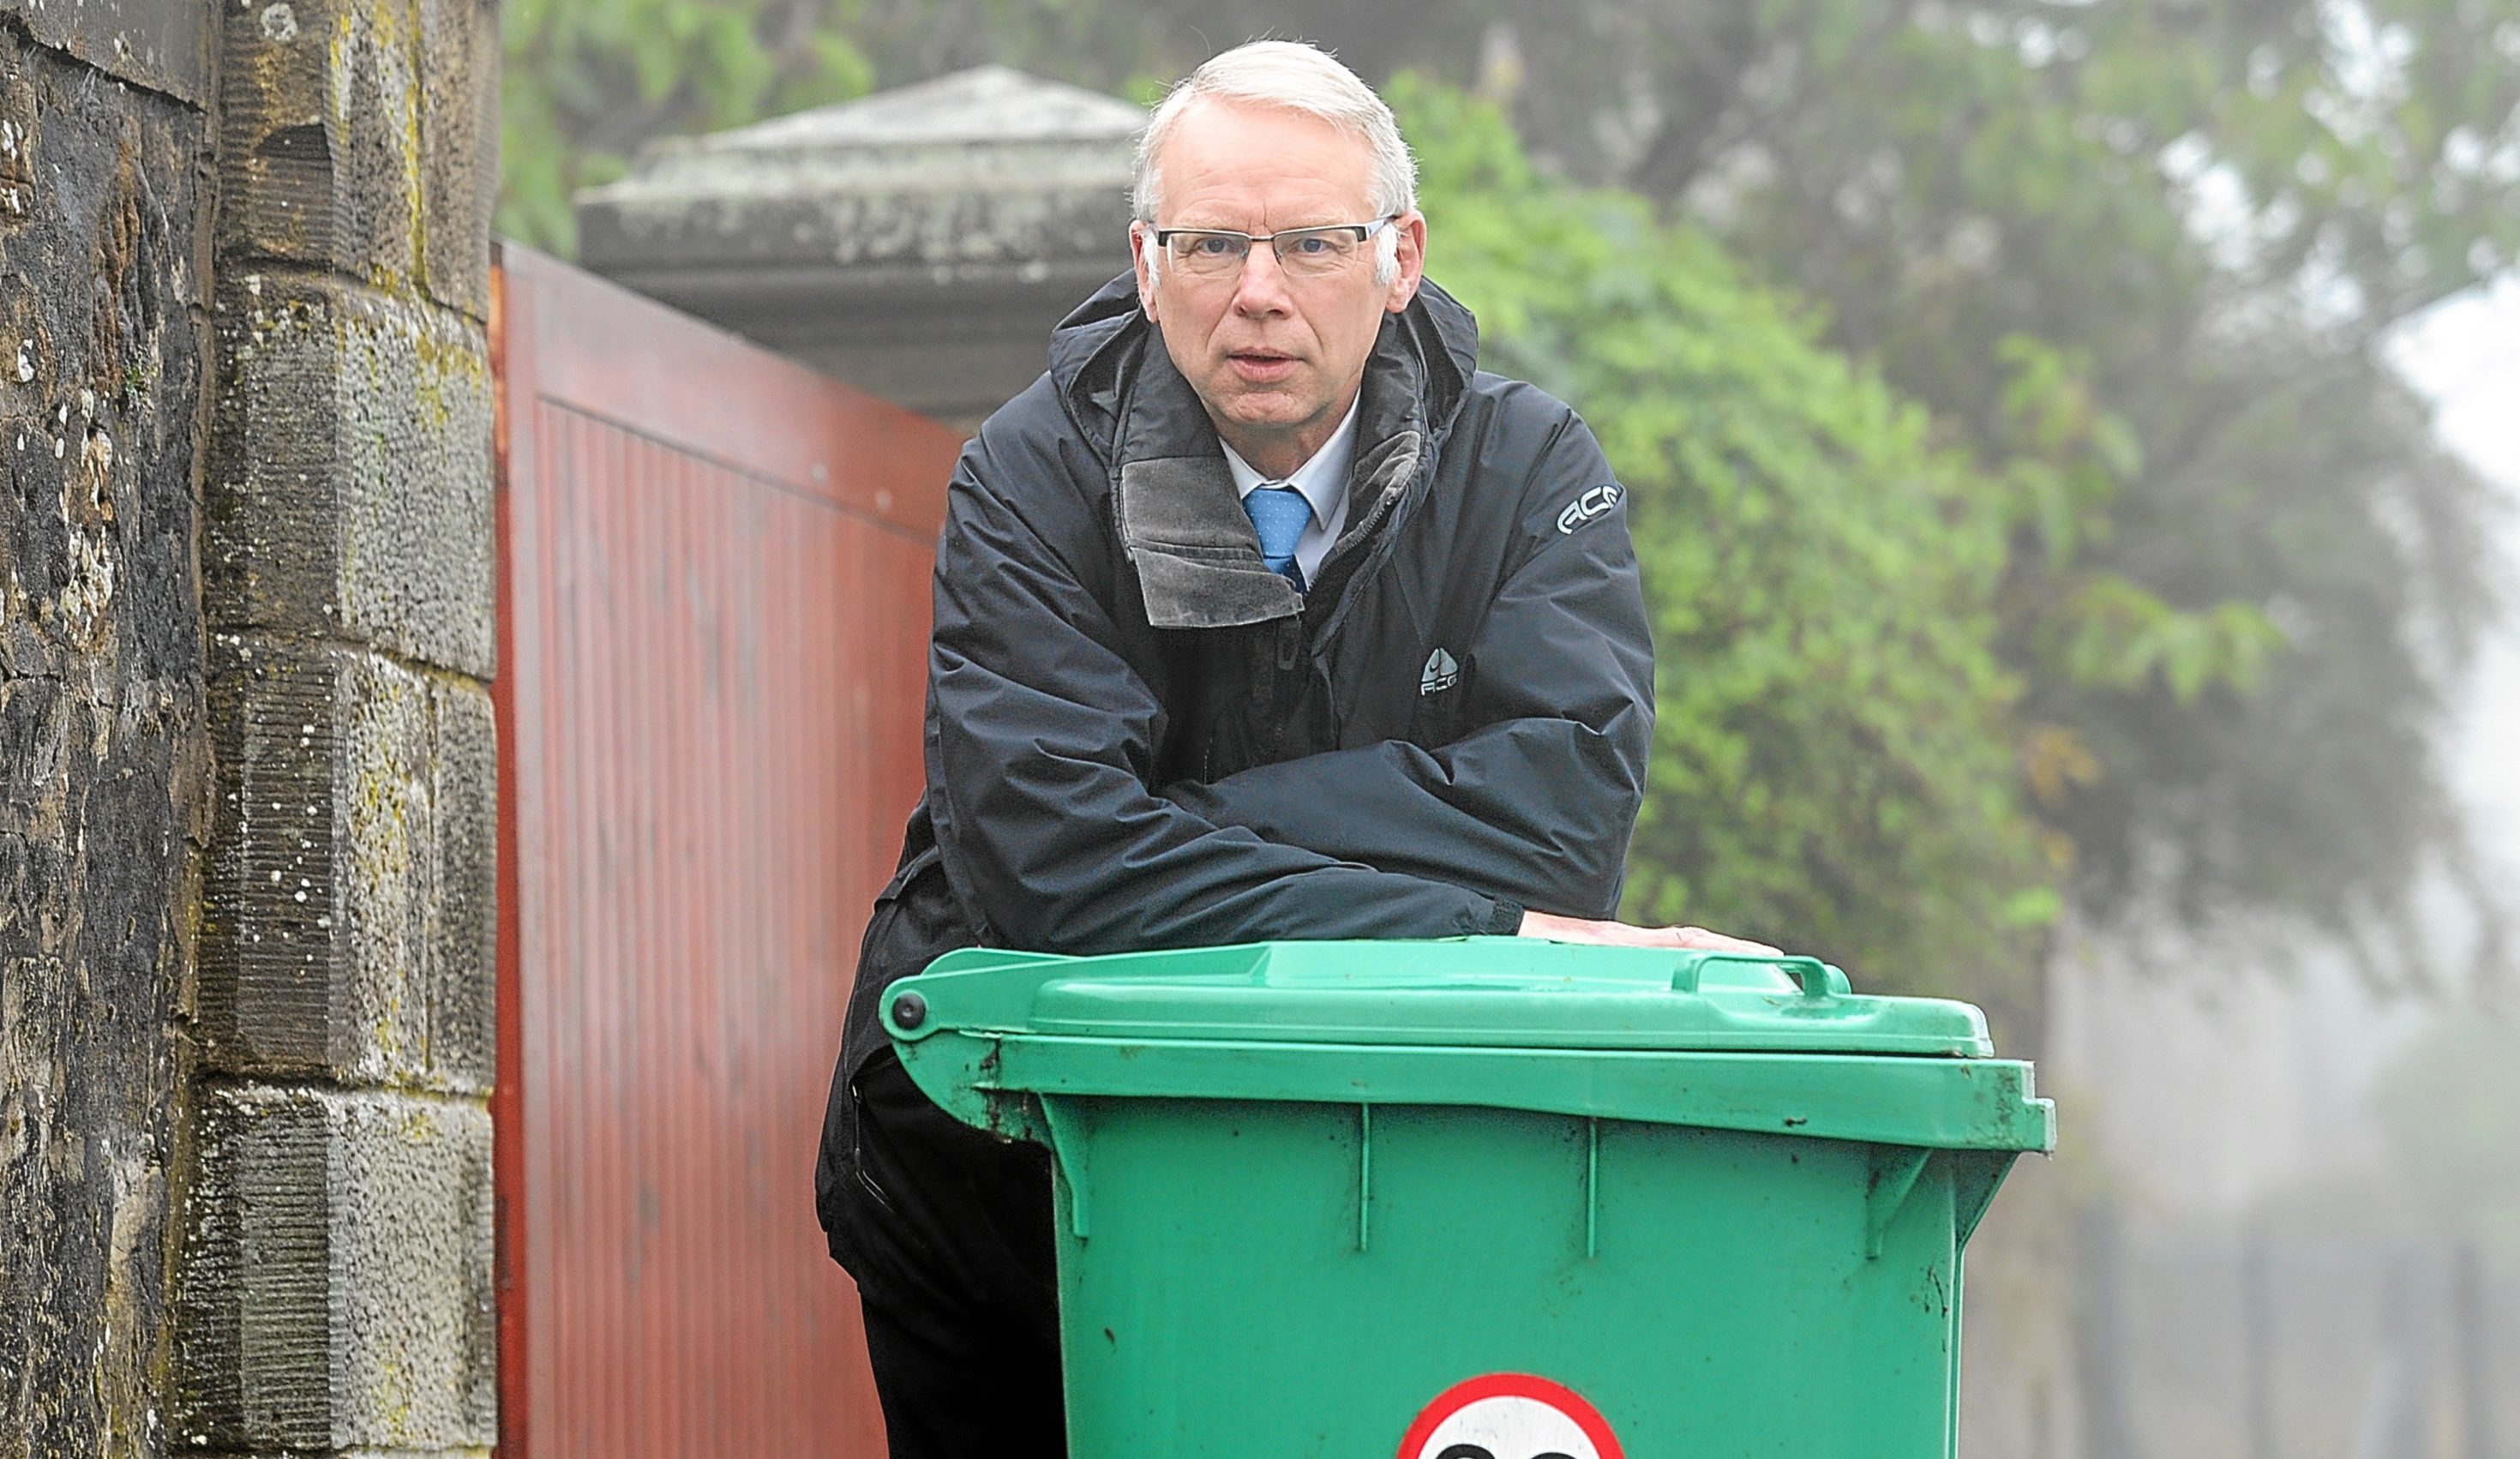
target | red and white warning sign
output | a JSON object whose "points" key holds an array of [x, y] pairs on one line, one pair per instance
{"points": [[1511, 1416]]}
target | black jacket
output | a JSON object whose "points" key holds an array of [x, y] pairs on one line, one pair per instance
{"points": [[1140, 736]]}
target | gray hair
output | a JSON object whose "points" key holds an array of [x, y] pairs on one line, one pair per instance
{"points": [[1294, 77]]}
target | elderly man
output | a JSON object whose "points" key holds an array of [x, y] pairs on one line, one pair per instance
{"points": [[1261, 615]]}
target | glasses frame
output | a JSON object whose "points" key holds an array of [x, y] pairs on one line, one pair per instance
{"points": [[1364, 233]]}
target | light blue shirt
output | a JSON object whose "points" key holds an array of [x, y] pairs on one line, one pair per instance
{"points": [[1323, 483]]}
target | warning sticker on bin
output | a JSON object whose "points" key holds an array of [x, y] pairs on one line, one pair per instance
{"points": [[1511, 1416]]}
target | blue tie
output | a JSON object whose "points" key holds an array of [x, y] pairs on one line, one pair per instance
{"points": [[1280, 513]]}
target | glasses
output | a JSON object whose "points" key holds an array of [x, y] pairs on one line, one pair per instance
{"points": [[1306, 252]]}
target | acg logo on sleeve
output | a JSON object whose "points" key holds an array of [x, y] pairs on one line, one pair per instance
{"points": [[1510, 1416], [1597, 502]]}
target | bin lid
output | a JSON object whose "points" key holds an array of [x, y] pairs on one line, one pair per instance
{"points": [[1516, 992], [1003, 1040]]}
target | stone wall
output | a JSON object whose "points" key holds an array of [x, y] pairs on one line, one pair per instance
{"points": [[104, 759], [247, 764]]}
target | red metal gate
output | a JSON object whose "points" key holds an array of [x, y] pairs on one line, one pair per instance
{"points": [[713, 570]]}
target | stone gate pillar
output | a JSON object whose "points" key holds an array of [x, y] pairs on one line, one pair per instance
{"points": [[335, 1287]]}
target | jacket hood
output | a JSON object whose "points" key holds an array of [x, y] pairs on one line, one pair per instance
{"points": [[1416, 376]]}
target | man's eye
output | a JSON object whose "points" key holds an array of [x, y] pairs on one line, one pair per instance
{"points": [[1213, 245], [1315, 246]]}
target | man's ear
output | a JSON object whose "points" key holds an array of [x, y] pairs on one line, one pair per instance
{"points": [[1411, 233], [1140, 240]]}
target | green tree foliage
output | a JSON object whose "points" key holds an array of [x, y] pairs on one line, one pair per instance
{"points": [[2187, 226], [1833, 759]]}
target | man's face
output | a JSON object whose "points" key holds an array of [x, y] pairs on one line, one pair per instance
{"points": [[1275, 358]]}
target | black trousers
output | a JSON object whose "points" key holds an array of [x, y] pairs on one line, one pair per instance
{"points": [[949, 1234]]}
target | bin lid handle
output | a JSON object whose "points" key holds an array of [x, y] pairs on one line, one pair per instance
{"points": [[1819, 979]]}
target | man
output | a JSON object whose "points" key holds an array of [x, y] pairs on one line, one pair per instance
{"points": [[1262, 615]]}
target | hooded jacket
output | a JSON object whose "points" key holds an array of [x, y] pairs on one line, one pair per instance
{"points": [[1140, 736]]}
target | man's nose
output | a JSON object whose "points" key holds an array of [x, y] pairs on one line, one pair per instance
{"points": [[1262, 287]]}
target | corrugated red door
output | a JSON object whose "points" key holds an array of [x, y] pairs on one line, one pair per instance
{"points": [[713, 615]]}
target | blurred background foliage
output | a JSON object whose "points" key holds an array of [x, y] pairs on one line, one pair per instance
{"points": [[2031, 519], [1835, 720], [587, 82]]}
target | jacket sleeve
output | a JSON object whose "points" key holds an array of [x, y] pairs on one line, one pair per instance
{"points": [[1534, 802], [1041, 742]]}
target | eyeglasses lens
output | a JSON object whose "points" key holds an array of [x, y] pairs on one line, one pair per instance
{"points": [[1307, 252]]}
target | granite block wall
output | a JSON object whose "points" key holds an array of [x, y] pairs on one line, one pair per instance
{"points": [[248, 778]]}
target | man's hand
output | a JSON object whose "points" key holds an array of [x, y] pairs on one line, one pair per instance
{"points": [[1620, 934]]}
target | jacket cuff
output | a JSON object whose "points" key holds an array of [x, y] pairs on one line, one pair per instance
{"points": [[1504, 922]]}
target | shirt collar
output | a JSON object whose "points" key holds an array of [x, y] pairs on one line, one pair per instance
{"points": [[1322, 480]]}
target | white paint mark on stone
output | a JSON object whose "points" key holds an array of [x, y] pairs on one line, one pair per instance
{"points": [[25, 366], [279, 24]]}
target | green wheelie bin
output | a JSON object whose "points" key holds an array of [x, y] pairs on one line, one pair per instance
{"points": [[1490, 1198]]}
